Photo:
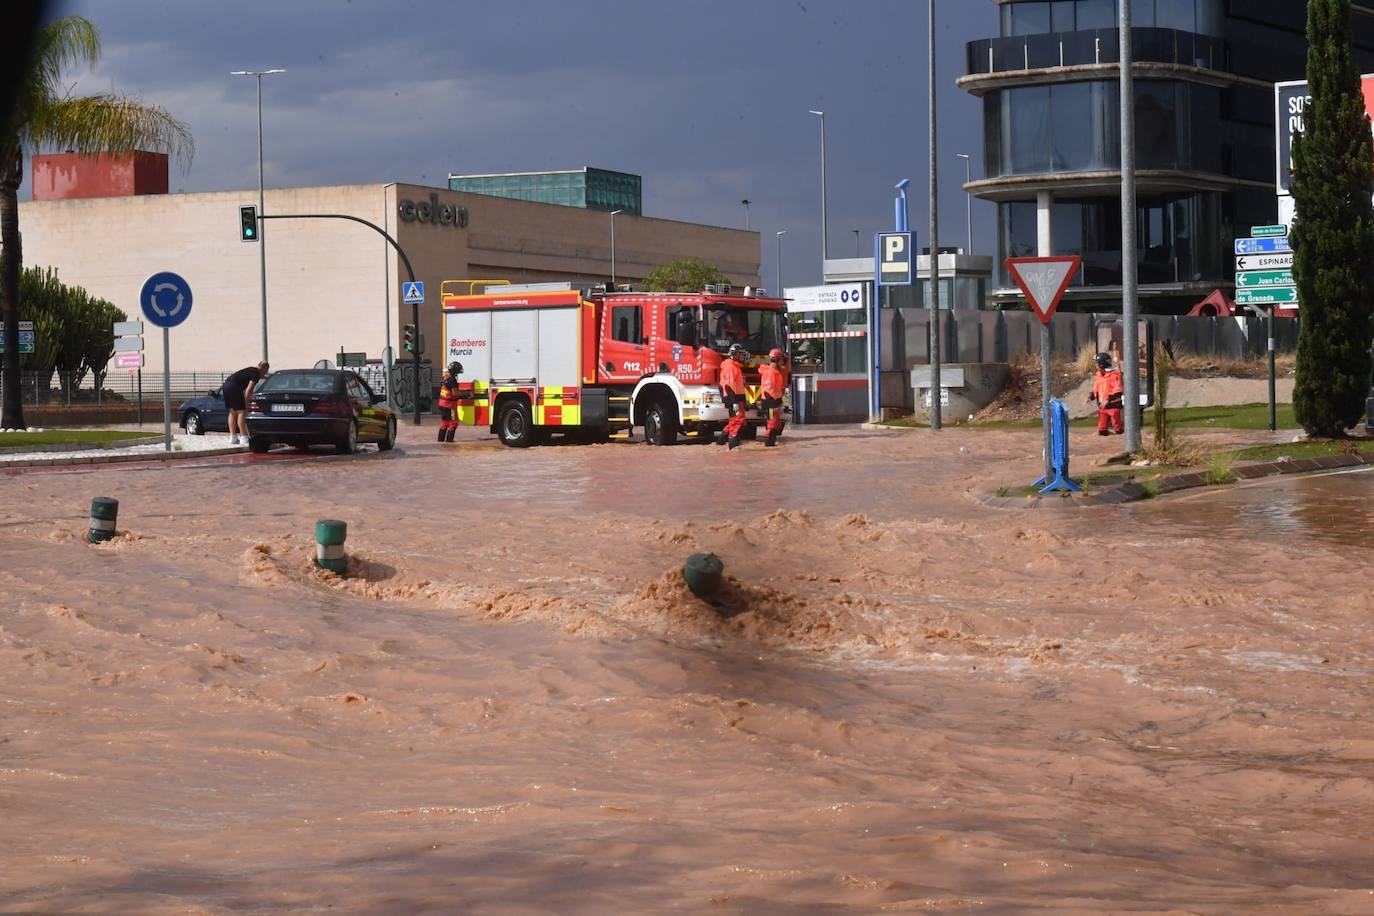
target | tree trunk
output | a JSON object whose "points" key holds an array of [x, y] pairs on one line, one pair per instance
{"points": [[11, 175]]}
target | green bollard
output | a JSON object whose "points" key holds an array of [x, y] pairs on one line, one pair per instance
{"points": [[703, 573], [104, 509], [330, 534]]}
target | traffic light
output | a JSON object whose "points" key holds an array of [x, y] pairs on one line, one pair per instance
{"points": [[248, 224], [411, 339]]}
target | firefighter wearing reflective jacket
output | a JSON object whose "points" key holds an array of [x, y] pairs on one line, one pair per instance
{"points": [[732, 393], [448, 402], [1107, 391], [771, 380]]}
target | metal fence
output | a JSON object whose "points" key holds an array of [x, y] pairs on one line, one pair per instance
{"points": [[972, 336]]}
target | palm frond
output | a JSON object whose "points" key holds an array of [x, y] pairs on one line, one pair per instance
{"points": [[72, 41], [111, 123]]}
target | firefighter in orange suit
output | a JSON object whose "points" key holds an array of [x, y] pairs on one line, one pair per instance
{"points": [[732, 393], [1107, 391], [771, 379], [448, 402]]}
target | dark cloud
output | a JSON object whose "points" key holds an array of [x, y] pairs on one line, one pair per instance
{"points": [[707, 100]]}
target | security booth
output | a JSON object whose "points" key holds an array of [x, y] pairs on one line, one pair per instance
{"points": [[828, 334]]}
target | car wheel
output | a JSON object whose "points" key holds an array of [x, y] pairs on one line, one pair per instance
{"points": [[349, 443], [258, 445], [193, 424], [660, 423], [390, 439], [514, 426]]}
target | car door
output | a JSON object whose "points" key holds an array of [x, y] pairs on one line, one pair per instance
{"points": [[624, 356], [216, 414], [362, 407]]}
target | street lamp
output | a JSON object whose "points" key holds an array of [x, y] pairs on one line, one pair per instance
{"points": [[262, 208], [778, 260], [613, 215], [745, 203], [968, 195], [825, 246]]}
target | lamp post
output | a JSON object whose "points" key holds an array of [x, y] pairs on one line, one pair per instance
{"points": [[778, 260], [1130, 301], [745, 204], [262, 208], [825, 244], [935, 324], [968, 196], [613, 215]]}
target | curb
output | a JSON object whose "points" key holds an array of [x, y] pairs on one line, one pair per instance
{"points": [[120, 459], [77, 446], [1134, 491]]}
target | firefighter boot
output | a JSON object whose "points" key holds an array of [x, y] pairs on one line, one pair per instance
{"points": [[734, 442], [441, 434], [771, 441], [721, 437], [451, 431]]}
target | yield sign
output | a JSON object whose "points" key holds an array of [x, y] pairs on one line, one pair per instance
{"points": [[1044, 280]]}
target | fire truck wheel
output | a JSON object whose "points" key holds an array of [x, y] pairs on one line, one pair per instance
{"points": [[660, 423], [515, 427]]}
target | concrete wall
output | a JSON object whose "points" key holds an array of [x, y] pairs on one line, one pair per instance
{"points": [[334, 284]]}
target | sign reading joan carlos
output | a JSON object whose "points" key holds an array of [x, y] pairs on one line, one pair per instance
{"points": [[432, 211]]}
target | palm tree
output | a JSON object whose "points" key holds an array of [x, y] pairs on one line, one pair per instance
{"points": [[46, 114]]}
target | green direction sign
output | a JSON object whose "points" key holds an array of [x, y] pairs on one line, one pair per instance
{"points": [[1273, 295], [1264, 232], [1253, 279]]}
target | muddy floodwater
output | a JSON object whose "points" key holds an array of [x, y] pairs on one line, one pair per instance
{"points": [[902, 701]]}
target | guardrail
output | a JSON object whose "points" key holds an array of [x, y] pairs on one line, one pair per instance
{"points": [[1095, 46]]}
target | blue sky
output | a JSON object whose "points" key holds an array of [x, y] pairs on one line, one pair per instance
{"points": [[706, 99]]}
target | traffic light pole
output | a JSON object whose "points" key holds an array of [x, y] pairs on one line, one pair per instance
{"points": [[410, 272]]}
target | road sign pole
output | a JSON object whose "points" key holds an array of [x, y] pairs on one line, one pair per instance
{"points": [[415, 318], [1273, 406], [166, 391], [1045, 397], [140, 397]]}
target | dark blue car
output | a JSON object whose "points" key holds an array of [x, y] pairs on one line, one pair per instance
{"points": [[201, 415]]}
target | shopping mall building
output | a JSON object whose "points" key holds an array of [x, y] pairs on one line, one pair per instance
{"points": [[108, 223]]}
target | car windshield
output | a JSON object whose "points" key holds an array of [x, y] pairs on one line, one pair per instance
{"points": [[316, 382], [759, 330]]}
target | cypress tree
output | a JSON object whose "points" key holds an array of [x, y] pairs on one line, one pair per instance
{"points": [[1333, 230]]}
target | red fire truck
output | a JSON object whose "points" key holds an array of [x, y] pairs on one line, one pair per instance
{"points": [[593, 364]]}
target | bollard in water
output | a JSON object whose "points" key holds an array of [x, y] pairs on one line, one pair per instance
{"points": [[703, 572], [104, 509], [330, 534]]}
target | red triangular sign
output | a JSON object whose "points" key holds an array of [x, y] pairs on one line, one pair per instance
{"points": [[1044, 281]]}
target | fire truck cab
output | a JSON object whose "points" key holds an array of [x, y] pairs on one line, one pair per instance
{"points": [[595, 364]]}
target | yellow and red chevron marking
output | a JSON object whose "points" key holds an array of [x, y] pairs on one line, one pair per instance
{"points": [[558, 405], [752, 393], [474, 404]]}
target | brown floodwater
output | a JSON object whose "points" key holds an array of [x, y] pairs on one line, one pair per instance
{"points": [[901, 701]]}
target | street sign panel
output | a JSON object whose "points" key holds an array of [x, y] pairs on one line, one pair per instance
{"points": [[413, 292], [896, 264], [165, 299], [1265, 261], [1261, 232], [1044, 281], [128, 345], [1258, 278], [1274, 295], [26, 338], [129, 360], [1262, 246], [128, 328]]}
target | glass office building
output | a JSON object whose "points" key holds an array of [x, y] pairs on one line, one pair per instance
{"points": [[1204, 120], [591, 189]]}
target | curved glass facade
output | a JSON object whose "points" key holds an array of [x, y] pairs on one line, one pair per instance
{"points": [[1035, 17], [1181, 238], [1069, 127]]}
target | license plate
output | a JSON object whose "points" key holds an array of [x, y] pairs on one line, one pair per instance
{"points": [[288, 408]]}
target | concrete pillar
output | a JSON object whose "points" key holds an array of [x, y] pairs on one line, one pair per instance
{"points": [[1044, 224]]}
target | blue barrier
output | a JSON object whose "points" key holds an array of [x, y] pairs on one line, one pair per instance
{"points": [[1059, 452]]}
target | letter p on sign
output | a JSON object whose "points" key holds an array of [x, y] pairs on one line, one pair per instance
{"points": [[894, 258]]}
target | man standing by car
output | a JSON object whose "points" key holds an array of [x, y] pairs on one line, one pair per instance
{"points": [[238, 388]]}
